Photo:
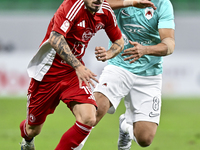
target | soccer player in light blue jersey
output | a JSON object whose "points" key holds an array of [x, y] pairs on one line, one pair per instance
{"points": [[136, 73]]}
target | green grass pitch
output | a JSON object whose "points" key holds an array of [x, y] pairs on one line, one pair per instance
{"points": [[179, 127]]}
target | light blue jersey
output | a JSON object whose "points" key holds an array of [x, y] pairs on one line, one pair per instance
{"points": [[141, 25]]}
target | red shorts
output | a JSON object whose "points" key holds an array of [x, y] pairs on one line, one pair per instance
{"points": [[43, 97]]}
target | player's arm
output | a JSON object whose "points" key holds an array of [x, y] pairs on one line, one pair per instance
{"points": [[116, 4], [59, 43], [102, 54], [166, 47], [167, 41]]}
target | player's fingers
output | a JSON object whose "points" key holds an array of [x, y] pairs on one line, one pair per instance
{"points": [[80, 82], [87, 82], [130, 57], [133, 43], [101, 54], [148, 4], [93, 77], [98, 49], [101, 58], [131, 52], [125, 54], [132, 61], [90, 81], [151, 5]]}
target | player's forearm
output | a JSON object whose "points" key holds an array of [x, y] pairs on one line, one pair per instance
{"points": [[166, 47], [116, 4], [116, 48], [59, 43]]}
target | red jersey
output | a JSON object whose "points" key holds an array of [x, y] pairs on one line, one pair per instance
{"points": [[77, 25]]}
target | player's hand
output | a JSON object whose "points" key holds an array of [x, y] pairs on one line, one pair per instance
{"points": [[84, 74], [144, 4], [135, 52], [101, 54]]}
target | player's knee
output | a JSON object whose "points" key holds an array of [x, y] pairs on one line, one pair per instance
{"points": [[145, 141], [33, 131], [103, 104], [100, 113], [89, 120]]}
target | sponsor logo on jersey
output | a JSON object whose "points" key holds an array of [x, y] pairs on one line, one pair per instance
{"points": [[65, 25], [125, 13], [134, 28], [81, 24], [149, 13], [99, 26]]}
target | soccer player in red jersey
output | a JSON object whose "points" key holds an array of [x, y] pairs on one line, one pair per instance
{"points": [[57, 71]]}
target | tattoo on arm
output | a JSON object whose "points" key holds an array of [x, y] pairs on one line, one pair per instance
{"points": [[117, 47], [59, 43]]}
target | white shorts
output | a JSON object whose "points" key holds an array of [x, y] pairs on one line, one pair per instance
{"points": [[142, 94]]}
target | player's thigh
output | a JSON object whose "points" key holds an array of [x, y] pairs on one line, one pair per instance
{"points": [[143, 103], [103, 104], [114, 84], [80, 101], [42, 100]]}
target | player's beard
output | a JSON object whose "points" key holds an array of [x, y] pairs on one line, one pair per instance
{"points": [[93, 9]]}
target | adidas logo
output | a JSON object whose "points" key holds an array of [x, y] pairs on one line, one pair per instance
{"points": [[81, 24]]}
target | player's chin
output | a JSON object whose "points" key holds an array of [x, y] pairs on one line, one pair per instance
{"points": [[95, 8]]}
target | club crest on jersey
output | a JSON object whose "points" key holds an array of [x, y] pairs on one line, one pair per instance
{"points": [[65, 25], [32, 118], [149, 13], [87, 34]]}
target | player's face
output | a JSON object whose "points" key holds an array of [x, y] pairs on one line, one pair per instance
{"points": [[93, 5]]}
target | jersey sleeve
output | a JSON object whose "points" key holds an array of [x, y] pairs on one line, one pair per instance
{"points": [[111, 28], [62, 21], [166, 15]]}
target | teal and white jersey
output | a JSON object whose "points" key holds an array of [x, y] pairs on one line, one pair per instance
{"points": [[141, 25]]}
